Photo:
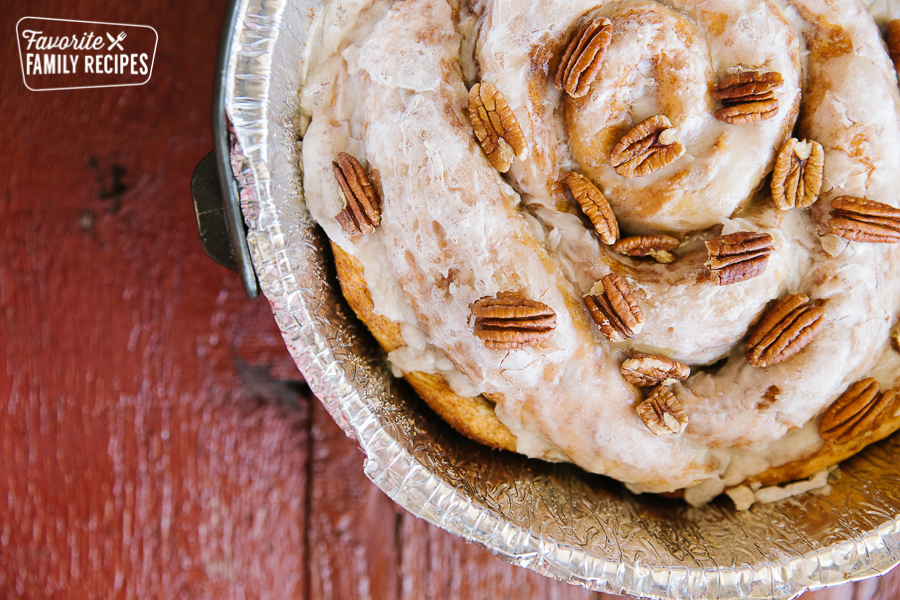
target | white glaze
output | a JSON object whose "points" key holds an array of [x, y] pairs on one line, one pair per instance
{"points": [[391, 91]]}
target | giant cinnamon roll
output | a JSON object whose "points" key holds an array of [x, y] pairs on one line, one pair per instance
{"points": [[560, 220]]}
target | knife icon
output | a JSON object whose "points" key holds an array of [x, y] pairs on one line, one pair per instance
{"points": [[115, 41]]}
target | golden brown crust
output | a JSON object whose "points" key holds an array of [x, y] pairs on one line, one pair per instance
{"points": [[824, 456], [472, 417], [475, 417], [353, 285]]}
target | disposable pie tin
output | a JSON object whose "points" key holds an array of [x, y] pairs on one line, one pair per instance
{"points": [[554, 519]]}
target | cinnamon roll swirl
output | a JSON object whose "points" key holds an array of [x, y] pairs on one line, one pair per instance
{"points": [[634, 222]]}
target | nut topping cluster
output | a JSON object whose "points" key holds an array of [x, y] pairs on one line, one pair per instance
{"points": [[663, 413], [648, 147], [797, 177], [647, 370], [496, 127], [858, 411], [738, 256], [863, 220], [362, 206], [656, 246], [614, 308], [583, 56], [594, 206], [509, 322], [784, 330], [748, 97]]}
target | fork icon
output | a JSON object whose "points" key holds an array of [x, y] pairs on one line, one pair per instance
{"points": [[115, 42]]}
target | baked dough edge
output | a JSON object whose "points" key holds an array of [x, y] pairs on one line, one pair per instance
{"points": [[475, 417]]}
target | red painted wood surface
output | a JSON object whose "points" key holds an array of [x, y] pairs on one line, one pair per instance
{"points": [[156, 440]]}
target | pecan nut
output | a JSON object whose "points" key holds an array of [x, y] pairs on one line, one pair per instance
{"points": [[496, 126], [362, 206], [657, 246], [797, 178], [857, 411], [614, 308], [784, 330], [895, 337], [663, 413], [509, 322], [648, 147], [748, 97], [645, 370], [581, 60], [594, 206], [748, 112], [892, 39], [864, 220], [738, 256]]}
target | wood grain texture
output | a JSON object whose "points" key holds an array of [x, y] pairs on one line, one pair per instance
{"points": [[156, 440], [135, 460]]}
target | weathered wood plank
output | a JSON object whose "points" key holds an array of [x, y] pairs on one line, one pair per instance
{"points": [[353, 542], [137, 458]]}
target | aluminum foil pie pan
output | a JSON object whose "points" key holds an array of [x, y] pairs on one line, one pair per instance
{"points": [[554, 519]]}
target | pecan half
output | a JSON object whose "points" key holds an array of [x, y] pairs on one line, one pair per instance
{"points": [[748, 97], [649, 146], [496, 126], [784, 330], [362, 206], [645, 370], [583, 56], [895, 337], [657, 246], [864, 220], [594, 206], [738, 256], [857, 411], [797, 178], [614, 308], [509, 322], [892, 39], [750, 112], [663, 413]]}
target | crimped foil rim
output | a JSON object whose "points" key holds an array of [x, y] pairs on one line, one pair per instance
{"points": [[261, 100]]}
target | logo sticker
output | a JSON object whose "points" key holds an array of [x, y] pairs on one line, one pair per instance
{"points": [[61, 54]]}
